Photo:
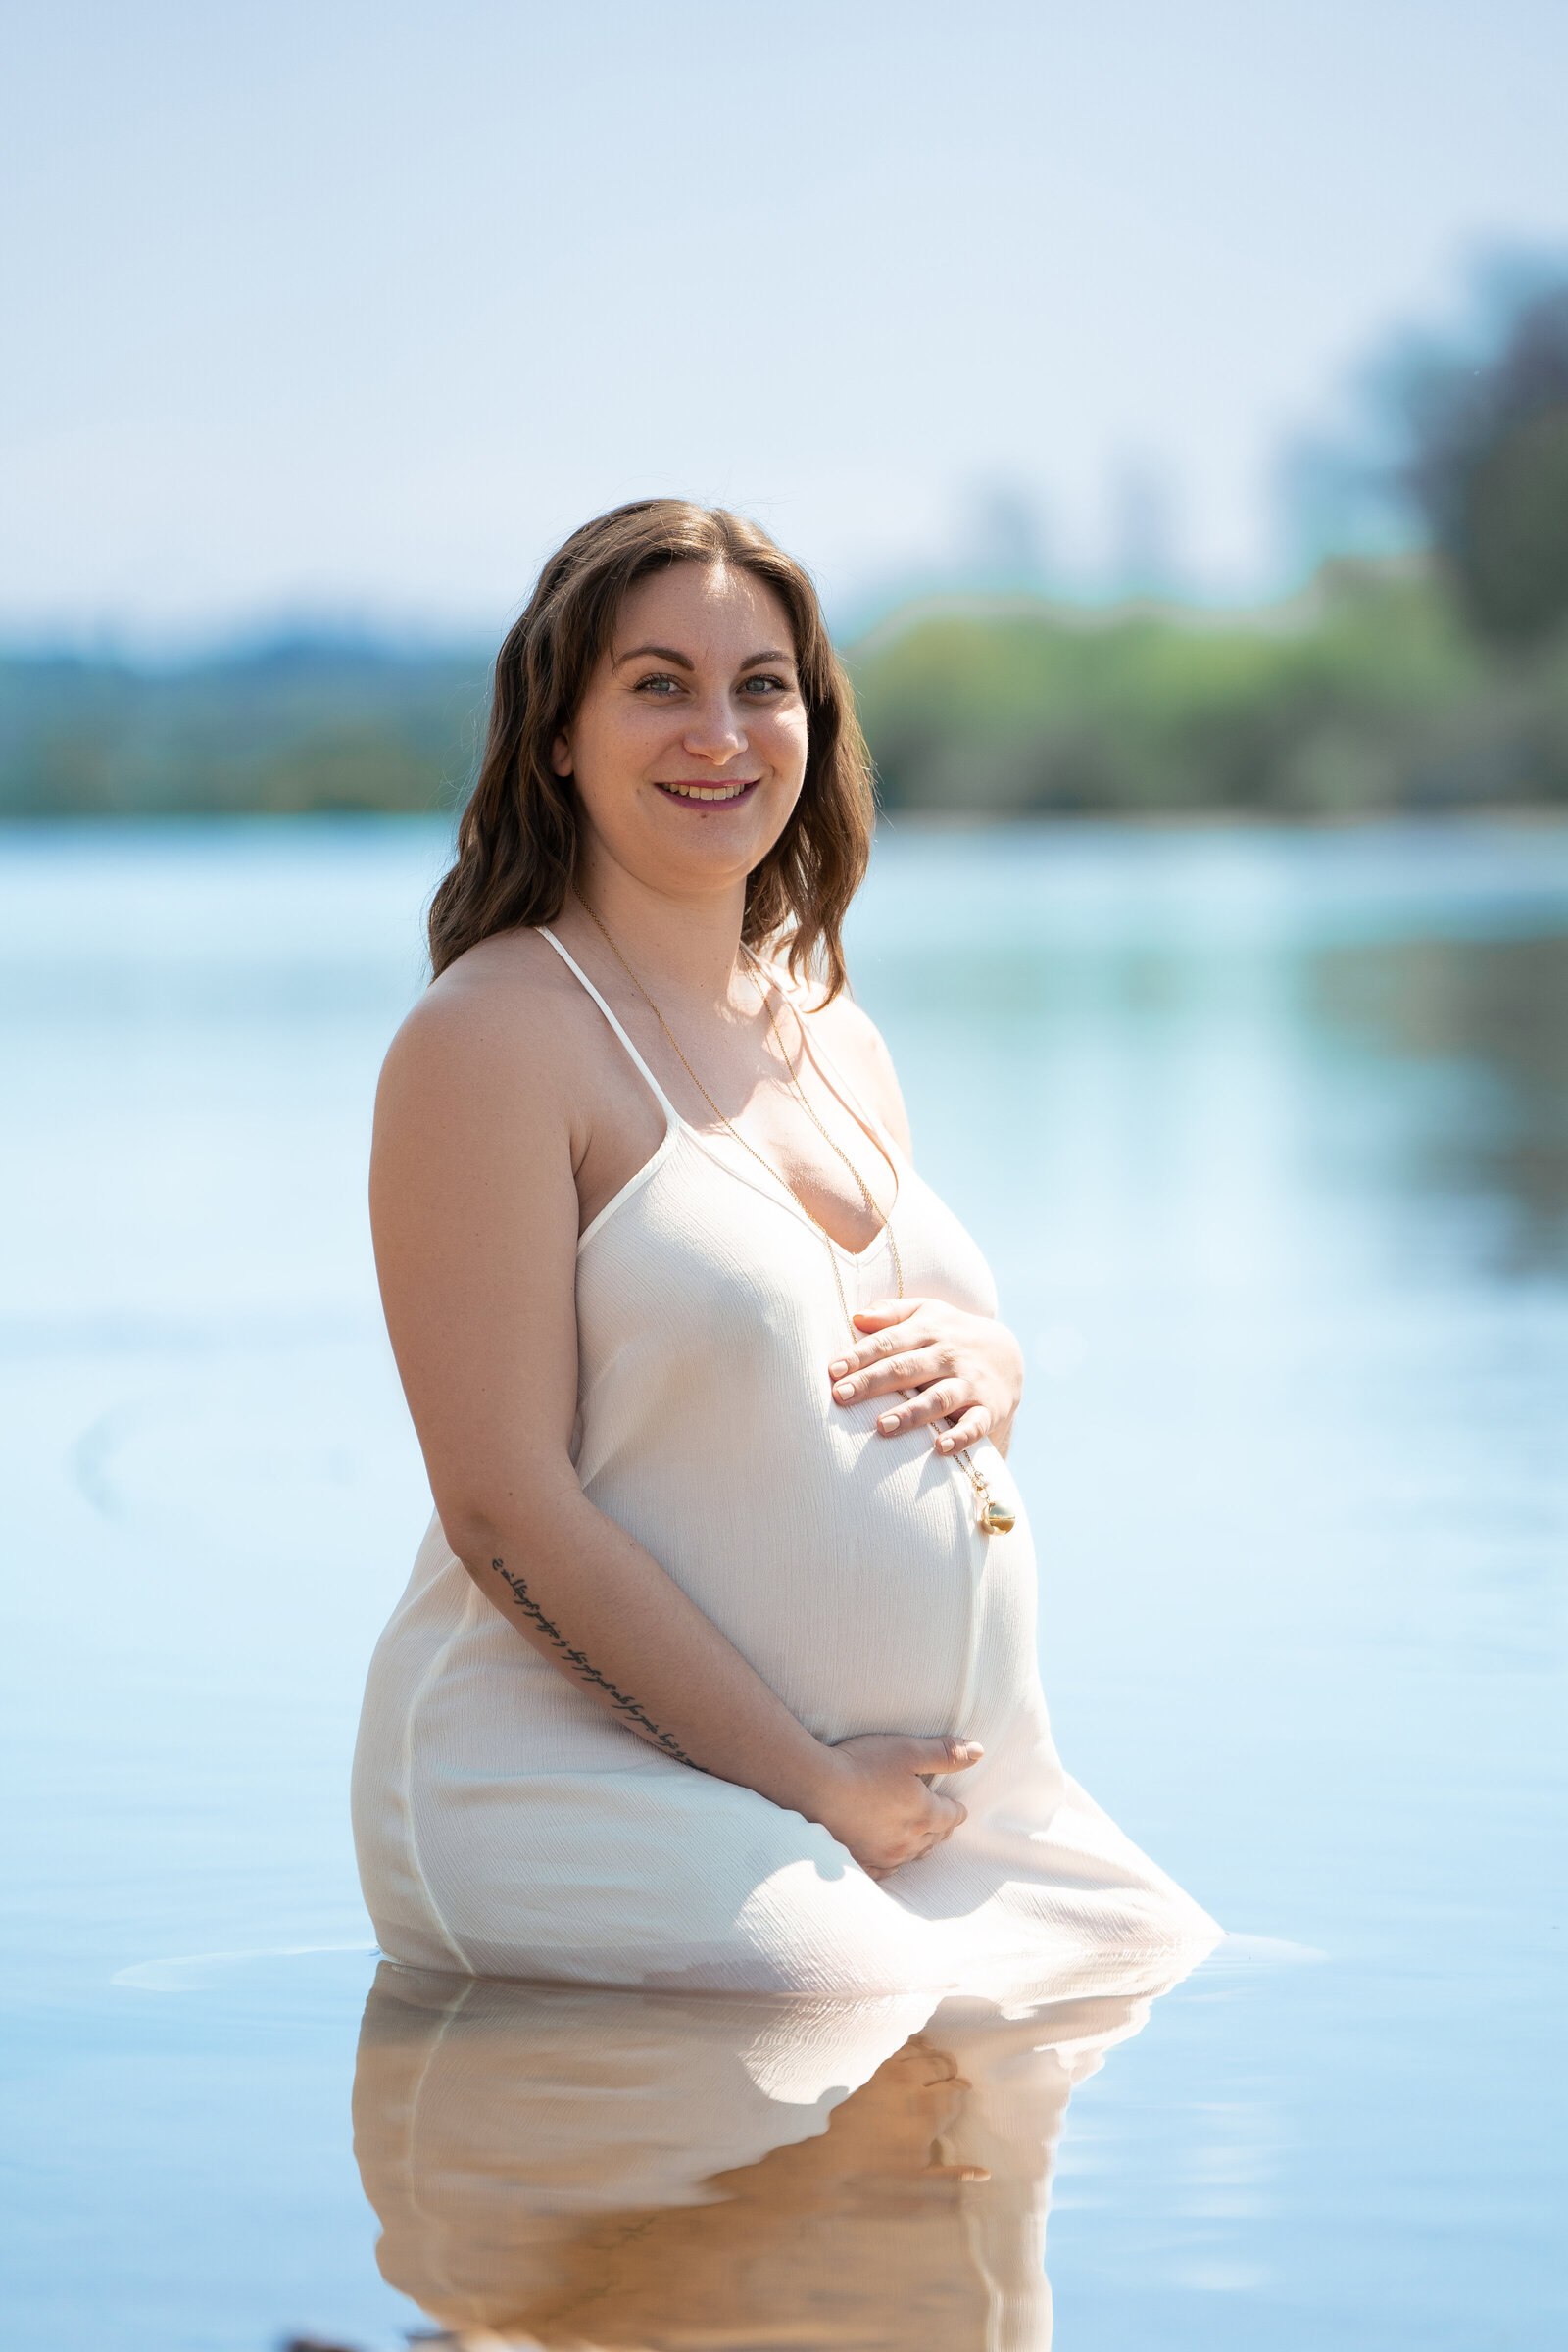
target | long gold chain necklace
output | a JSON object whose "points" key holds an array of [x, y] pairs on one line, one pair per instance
{"points": [[995, 1519]]}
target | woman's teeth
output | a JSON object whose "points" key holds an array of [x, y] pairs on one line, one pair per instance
{"points": [[709, 792]]}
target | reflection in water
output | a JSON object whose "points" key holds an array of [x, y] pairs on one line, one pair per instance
{"points": [[1494, 1010], [572, 2168]]}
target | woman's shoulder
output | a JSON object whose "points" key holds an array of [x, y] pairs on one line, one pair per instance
{"points": [[506, 1014]]}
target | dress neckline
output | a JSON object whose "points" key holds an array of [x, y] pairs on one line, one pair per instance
{"points": [[676, 1123]]}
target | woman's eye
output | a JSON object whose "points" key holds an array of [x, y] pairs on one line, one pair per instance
{"points": [[662, 684], [769, 685]]}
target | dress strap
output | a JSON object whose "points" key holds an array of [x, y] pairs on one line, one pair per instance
{"points": [[575, 968]]}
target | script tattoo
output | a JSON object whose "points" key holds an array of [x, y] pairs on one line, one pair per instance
{"points": [[574, 1658]]}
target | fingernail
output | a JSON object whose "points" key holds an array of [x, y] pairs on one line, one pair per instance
{"points": [[888, 1422], [844, 1390], [834, 1371]]}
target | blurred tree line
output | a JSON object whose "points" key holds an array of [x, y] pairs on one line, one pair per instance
{"points": [[1431, 679], [1366, 694], [303, 724], [1436, 679]]}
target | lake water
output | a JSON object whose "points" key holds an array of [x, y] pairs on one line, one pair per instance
{"points": [[1266, 1135]]}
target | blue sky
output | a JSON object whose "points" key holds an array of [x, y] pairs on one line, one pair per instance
{"points": [[354, 310]]}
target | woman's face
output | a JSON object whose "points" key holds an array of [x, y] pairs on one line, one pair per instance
{"points": [[689, 750]]}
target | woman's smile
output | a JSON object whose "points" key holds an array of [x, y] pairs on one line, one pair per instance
{"points": [[696, 701], [693, 789]]}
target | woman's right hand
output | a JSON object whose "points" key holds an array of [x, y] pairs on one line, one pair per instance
{"points": [[877, 1799]]}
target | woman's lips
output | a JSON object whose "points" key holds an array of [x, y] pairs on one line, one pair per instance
{"points": [[700, 794]]}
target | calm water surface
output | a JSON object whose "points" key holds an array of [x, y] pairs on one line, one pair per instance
{"points": [[1267, 1138]]}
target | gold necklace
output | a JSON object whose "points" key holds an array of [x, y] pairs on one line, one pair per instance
{"points": [[872, 1209], [995, 1519], [729, 1124]]}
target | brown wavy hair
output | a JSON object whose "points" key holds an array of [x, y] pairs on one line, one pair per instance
{"points": [[519, 836]]}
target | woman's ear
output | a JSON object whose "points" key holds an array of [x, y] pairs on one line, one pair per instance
{"points": [[561, 755]]}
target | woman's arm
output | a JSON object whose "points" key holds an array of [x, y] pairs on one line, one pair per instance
{"points": [[479, 1126]]}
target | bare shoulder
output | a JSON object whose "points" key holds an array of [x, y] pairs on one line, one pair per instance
{"points": [[506, 1026], [858, 1045]]}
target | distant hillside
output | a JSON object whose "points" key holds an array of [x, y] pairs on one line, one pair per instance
{"points": [[297, 725], [1366, 694]]}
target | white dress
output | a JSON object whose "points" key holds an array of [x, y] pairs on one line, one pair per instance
{"points": [[506, 1826]]}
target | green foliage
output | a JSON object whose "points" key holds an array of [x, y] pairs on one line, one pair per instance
{"points": [[1516, 545], [1367, 695], [301, 726], [1488, 463]]}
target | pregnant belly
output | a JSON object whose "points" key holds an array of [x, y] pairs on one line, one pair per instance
{"points": [[860, 1588]]}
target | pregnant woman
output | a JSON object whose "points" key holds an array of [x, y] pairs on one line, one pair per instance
{"points": [[716, 1667]]}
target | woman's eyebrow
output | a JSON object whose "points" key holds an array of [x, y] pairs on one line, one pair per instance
{"points": [[666, 652]]}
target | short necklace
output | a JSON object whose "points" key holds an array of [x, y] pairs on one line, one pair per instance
{"points": [[995, 1519]]}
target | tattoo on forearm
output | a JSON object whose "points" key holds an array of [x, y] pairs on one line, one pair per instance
{"points": [[624, 1706]]}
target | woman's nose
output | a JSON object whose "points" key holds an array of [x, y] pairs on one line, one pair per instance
{"points": [[714, 730]]}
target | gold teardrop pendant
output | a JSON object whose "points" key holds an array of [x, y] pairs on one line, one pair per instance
{"points": [[995, 1518]]}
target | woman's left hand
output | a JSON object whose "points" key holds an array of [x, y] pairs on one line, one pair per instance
{"points": [[966, 1368]]}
